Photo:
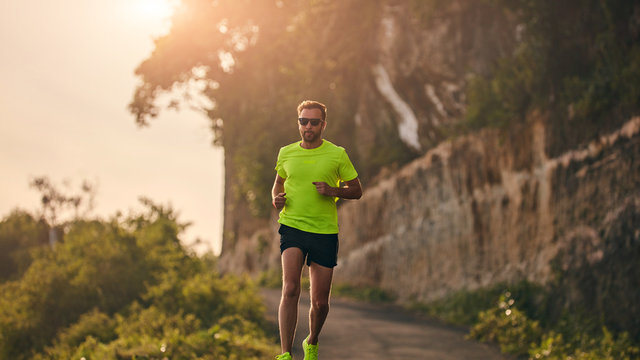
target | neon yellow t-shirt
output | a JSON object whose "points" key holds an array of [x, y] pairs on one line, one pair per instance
{"points": [[305, 209]]}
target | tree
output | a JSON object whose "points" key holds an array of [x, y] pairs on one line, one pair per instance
{"points": [[55, 202], [253, 62]]}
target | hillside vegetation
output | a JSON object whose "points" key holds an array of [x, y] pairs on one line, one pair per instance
{"points": [[121, 288]]}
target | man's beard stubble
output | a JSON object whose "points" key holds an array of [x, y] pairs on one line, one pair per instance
{"points": [[311, 136]]}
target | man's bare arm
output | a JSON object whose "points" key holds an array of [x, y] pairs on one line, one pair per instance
{"points": [[278, 198], [351, 190]]}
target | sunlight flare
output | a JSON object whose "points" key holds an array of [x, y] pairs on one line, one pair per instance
{"points": [[156, 10]]}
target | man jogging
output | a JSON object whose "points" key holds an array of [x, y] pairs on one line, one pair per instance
{"points": [[306, 188]]}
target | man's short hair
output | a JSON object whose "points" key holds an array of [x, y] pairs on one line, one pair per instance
{"points": [[311, 104]]}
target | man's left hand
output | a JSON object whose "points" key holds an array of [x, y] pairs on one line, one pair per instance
{"points": [[324, 189]]}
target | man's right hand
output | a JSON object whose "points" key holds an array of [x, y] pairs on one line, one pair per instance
{"points": [[279, 200]]}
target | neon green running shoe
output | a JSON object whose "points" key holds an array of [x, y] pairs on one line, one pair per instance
{"points": [[310, 351], [285, 356]]}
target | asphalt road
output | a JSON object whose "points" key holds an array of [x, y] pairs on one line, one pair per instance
{"points": [[362, 331]]}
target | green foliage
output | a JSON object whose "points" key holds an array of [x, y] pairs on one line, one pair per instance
{"points": [[577, 60], [271, 278], [517, 334], [150, 333], [127, 288], [606, 347], [519, 319], [464, 307], [460, 308], [94, 323], [20, 235], [507, 326], [505, 97]]}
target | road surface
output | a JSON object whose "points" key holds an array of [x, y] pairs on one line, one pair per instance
{"points": [[361, 331]]}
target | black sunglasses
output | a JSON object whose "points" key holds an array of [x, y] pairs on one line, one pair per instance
{"points": [[305, 121]]}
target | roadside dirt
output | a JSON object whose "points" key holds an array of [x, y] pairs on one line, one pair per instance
{"points": [[361, 331]]}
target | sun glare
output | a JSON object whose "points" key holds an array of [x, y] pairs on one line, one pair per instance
{"points": [[153, 10]]}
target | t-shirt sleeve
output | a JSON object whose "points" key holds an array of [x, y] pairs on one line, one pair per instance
{"points": [[346, 171], [280, 166]]}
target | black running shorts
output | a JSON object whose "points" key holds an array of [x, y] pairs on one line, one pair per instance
{"points": [[322, 249]]}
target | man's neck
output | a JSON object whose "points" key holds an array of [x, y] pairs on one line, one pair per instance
{"points": [[313, 145]]}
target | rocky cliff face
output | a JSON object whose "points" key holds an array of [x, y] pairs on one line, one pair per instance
{"points": [[486, 209]]}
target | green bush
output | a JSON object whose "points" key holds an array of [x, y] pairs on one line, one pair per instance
{"points": [[127, 288], [508, 327], [522, 321], [606, 347], [516, 333], [463, 307]]}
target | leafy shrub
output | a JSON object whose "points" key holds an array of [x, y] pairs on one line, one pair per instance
{"points": [[554, 347], [463, 307], [127, 288], [507, 326], [516, 333]]}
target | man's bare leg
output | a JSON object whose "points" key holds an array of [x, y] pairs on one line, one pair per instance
{"points": [[292, 263], [320, 277]]}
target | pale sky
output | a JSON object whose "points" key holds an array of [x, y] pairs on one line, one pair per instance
{"points": [[66, 77]]}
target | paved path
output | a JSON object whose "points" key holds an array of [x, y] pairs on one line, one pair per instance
{"points": [[361, 331]]}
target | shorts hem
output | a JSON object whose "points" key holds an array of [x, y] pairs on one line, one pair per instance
{"points": [[309, 261]]}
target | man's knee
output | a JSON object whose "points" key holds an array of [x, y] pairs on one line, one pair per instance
{"points": [[291, 290], [320, 304]]}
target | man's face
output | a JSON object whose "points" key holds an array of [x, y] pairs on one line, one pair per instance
{"points": [[309, 132]]}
